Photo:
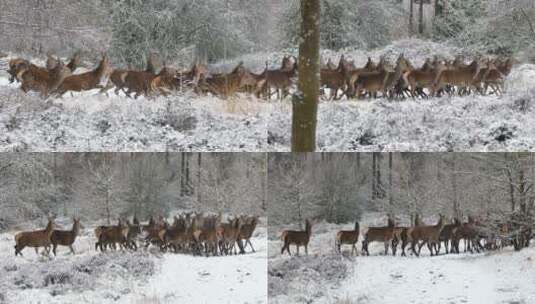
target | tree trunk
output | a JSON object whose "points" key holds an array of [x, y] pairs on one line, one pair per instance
{"points": [[456, 210], [199, 168], [390, 197], [411, 16], [305, 102], [374, 176], [421, 18]]}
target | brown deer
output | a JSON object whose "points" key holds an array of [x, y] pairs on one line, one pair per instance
{"points": [[429, 235], [206, 235], [281, 79], [402, 234], [66, 238], [470, 233], [379, 234], [87, 81], [224, 85], [228, 234], [297, 238], [134, 230], [446, 235], [349, 237], [35, 239], [41, 80], [175, 236], [461, 77], [246, 232], [110, 236]]}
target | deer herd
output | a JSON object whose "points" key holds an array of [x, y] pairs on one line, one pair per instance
{"points": [[434, 78], [193, 233], [476, 236]]}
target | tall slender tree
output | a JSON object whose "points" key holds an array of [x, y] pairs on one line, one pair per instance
{"points": [[305, 101]]}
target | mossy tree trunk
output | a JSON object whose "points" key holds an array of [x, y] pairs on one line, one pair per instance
{"points": [[305, 102]]}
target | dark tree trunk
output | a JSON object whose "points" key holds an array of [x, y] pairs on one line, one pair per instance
{"points": [[305, 103], [421, 18], [390, 197], [411, 16]]}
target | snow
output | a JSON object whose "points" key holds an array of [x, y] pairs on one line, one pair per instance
{"points": [[130, 277], [492, 277]]}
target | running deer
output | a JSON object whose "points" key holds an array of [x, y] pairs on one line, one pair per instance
{"points": [[297, 238], [349, 237], [35, 239], [41, 80], [224, 85], [463, 77], [429, 235], [97, 78], [66, 238], [246, 232]]}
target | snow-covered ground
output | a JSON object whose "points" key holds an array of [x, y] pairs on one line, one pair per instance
{"points": [[326, 277], [131, 277]]}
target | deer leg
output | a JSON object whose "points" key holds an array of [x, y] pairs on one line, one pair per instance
{"points": [[250, 244], [386, 243], [306, 249], [72, 250], [297, 249], [54, 247]]}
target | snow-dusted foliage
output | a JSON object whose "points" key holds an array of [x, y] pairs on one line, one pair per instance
{"points": [[98, 186], [361, 24], [341, 187], [496, 26], [90, 122]]}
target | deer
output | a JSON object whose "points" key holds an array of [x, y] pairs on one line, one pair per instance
{"points": [[246, 232], [228, 234], [379, 234], [41, 80], [380, 81], [349, 237], [134, 230], [297, 238], [176, 236], [35, 239], [224, 85], [87, 81], [461, 77], [207, 235], [429, 235], [421, 79], [111, 235], [402, 234], [470, 233], [446, 235], [281, 79], [66, 238]]}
